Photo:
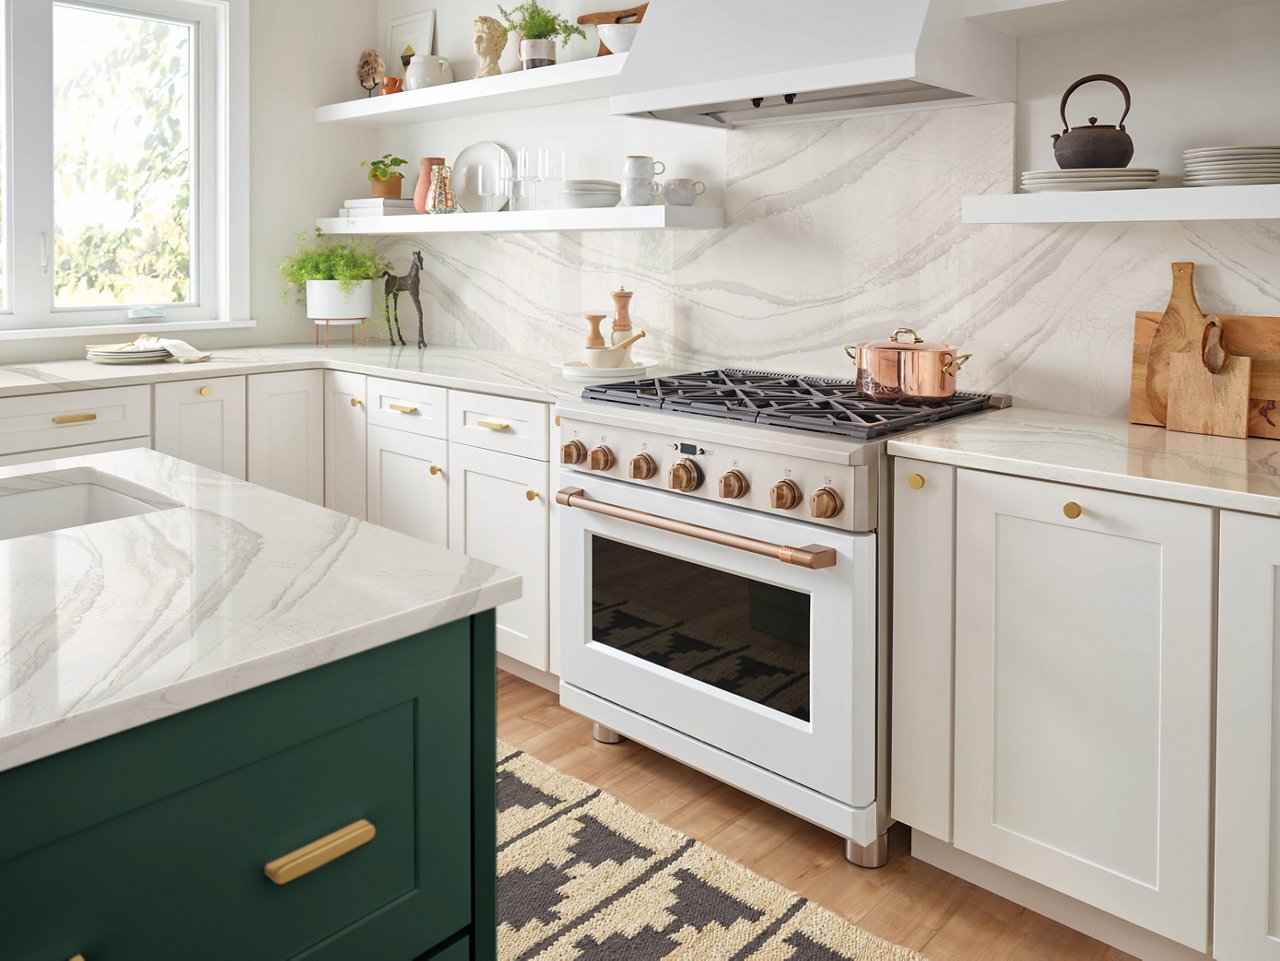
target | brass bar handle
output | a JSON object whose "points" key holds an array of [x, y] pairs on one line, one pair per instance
{"points": [[813, 556], [75, 418], [498, 425], [404, 408], [317, 854]]}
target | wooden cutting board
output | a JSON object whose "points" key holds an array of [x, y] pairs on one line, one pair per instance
{"points": [[1178, 332]]}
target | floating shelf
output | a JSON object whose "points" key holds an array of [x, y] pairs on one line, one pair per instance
{"points": [[1261, 202], [562, 83], [1028, 18], [600, 218]]}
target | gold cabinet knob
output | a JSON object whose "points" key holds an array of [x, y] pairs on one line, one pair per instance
{"points": [[734, 485], [574, 452], [436, 470], [600, 458], [355, 401], [684, 476], [205, 391], [531, 496], [785, 495], [1072, 510], [643, 467], [916, 482], [825, 504], [78, 957]]}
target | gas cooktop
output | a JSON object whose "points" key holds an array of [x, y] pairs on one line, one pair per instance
{"points": [[795, 402]]}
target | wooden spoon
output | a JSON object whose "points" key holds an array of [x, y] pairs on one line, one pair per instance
{"points": [[1180, 330]]}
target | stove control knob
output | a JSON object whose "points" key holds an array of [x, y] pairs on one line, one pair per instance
{"points": [[574, 452], [643, 467], [600, 458], [684, 476], [825, 504], [786, 496], [734, 486]]}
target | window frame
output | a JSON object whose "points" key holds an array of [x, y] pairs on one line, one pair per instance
{"points": [[220, 208]]}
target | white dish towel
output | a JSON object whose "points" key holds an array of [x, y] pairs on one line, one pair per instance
{"points": [[182, 352]]}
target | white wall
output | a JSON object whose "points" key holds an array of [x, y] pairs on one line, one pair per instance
{"points": [[304, 54]]}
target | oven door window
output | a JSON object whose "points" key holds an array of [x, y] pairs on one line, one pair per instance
{"points": [[743, 636]]}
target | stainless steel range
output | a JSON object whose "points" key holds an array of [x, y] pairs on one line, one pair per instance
{"points": [[721, 597]]}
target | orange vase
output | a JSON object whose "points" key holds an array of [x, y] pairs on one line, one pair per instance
{"points": [[422, 192]]}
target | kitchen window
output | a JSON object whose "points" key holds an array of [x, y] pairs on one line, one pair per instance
{"points": [[121, 181]]}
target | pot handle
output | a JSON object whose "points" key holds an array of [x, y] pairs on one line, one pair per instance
{"points": [[851, 351], [915, 338], [1089, 79], [953, 366]]}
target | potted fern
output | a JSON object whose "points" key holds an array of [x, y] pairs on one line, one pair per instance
{"points": [[539, 29], [333, 278], [384, 179]]}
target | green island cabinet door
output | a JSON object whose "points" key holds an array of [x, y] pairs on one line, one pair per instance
{"points": [[155, 844]]}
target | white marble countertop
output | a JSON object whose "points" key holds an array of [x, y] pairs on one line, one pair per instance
{"points": [[520, 376], [113, 625], [1108, 453]]}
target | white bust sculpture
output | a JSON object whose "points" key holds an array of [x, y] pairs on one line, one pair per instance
{"points": [[490, 38]]}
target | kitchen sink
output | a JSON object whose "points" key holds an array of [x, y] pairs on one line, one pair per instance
{"points": [[68, 505]]}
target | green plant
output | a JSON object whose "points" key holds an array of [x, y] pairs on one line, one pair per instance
{"points": [[536, 22], [385, 167], [322, 259]]}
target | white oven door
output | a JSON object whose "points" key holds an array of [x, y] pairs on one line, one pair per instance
{"points": [[771, 662]]}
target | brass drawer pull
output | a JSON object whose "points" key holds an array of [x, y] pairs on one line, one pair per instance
{"points": [[404, 408], [317, 854], [1072, 510], [493, 424], [916, 482], [75, 418]]}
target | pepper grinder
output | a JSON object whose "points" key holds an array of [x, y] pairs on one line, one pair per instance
{"points": [[622, 321]]}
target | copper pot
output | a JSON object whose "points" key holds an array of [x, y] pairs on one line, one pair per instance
{"points": [[894, 369]]}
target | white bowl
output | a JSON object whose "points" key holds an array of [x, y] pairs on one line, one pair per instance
{"points": [[618, 37], [583, 201]]}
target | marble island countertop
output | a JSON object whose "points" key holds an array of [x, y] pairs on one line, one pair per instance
{"points": [[224, 586], [1108, 453]]}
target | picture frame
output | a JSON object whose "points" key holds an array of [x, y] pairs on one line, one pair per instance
{"points": [[417, 31]]}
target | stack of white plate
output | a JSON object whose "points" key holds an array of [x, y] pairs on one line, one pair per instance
{"points": [[1090, 178], [590, 193], [1226, 166], [126, 354]]}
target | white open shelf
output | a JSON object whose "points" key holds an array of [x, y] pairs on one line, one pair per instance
{"points": [[600, 218], [561, 83], [1261, 202], [1026, 18]]}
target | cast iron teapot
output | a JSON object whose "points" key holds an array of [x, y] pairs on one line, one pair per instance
{"points": [[1097, 145]]}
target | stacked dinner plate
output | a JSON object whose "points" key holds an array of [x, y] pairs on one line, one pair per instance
{"points": [[1090, 178], [126, 354], [590, 193], [1226, 166]]}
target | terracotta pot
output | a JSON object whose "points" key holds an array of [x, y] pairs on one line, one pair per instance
{"points": [[388, 189], [537, 53], [422, 192], [894, 369]]}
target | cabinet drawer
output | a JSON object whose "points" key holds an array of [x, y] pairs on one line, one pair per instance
{"points": [[415, 408], [498, 423], [49, 421]]}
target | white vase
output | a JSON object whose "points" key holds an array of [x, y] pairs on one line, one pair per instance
{"points": [[537, 53], [326, 300]]}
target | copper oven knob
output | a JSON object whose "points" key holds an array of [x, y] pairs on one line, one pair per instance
{"points": [[734, 486], [601, 458], [643, 467], [574, 452], [785, 496], [684, 476], [825, 504]]}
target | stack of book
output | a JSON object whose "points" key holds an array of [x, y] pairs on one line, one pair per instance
{"points": [[376, 207]]}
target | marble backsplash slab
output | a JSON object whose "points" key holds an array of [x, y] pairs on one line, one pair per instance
{"points": [[840, 231]]}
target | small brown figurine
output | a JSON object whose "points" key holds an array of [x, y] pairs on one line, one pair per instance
{"points": [[371, 70]]}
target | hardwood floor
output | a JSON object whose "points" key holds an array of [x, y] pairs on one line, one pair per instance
{"points": [[907, 901]]}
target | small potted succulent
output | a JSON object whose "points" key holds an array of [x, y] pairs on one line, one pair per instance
{"points": [[383, 177], [334, 279], [539, 29]]}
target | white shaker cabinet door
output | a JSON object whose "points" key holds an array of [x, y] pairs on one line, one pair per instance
{"points": [[345, 443], [203, 421], [409, 484], [1247, 853], [1084, 667], [498, 512], [286, 433]]}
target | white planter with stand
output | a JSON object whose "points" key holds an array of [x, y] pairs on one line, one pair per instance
{"points": [[328, 305]]}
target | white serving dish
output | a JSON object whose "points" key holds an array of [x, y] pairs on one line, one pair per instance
{"points": [[483, 155], [1094, 173], [585, 201], [577, 370], [1080, 186]]}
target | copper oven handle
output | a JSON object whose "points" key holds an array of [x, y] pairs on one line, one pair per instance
{"points": [[814, 556]]}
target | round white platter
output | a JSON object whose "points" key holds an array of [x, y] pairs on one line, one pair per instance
{"points": [[1079, 186], [577, 370], [466, 189]]}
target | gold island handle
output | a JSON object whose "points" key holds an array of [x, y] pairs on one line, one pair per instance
{"points": [[404, 408], [318, 853], [494, 425], [75, 418]]}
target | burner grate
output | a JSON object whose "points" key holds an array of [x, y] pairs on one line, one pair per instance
{"points": [[818, 404]]}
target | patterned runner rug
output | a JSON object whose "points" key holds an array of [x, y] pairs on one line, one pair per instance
{"points": [[583, 877]]}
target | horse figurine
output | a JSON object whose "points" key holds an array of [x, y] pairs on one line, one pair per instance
{"points": [[410, 283]]}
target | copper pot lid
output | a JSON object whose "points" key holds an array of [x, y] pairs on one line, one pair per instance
{"points": [[895, 342]]}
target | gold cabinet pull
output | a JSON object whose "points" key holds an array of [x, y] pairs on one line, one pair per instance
{"points": [[75, 418], [78, 957], [493, 424], [531, 496], [436, 470], [205, 392], [355, 401], [916, 481], [1072, 510], [404, 408], [317, 854]]}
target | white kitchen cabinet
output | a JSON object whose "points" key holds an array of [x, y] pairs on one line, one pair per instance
{"points": [[923, 635], [203, 421], [408, 483], [498, 512], [286, 433], [345, 443], [1247, 849], [1083, 689]]}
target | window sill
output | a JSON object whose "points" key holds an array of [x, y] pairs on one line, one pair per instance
{"points": [[136, 329]]}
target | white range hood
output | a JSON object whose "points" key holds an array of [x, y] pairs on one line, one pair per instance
{"points": [[753, 62]]}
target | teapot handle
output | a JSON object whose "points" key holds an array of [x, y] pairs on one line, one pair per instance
{"points": [[1089, 79]]}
